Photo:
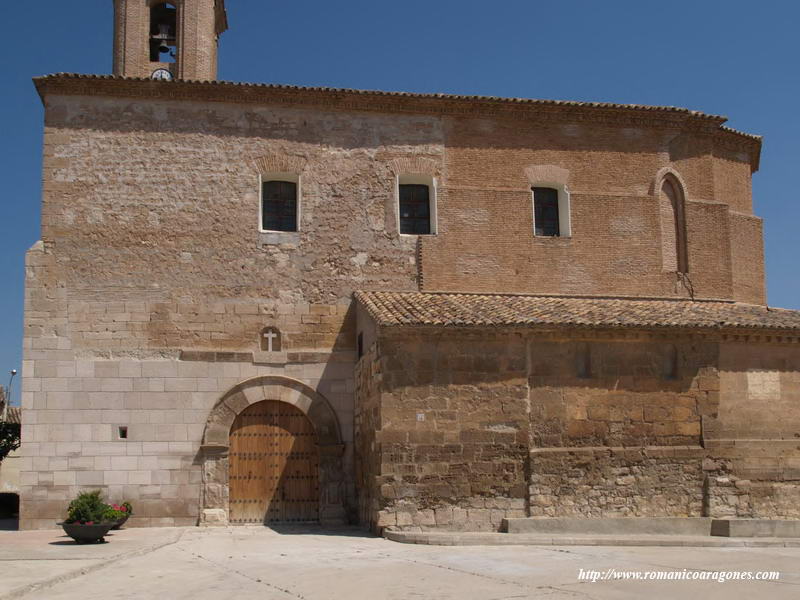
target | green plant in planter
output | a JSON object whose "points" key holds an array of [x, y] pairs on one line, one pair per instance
{"points": [[113, 514], [90, 518], [125, 509], [121, 512], [88, 508]]}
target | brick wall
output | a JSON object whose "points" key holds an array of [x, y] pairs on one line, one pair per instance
{"points": [[203, 176], [485, 220], [197, 40]]}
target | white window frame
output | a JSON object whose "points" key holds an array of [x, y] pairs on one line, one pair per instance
{"points": [[417, 179], [278, 176], [564, 214]]}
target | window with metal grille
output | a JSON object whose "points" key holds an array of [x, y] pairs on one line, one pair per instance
{"points": [[415, 209], [279, 206], [545, 212]]}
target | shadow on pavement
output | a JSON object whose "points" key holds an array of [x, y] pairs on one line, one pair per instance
{"points": [[65, 540], [316, 529]]}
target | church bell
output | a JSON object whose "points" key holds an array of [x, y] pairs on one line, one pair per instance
{"points": [[163, 30], [164, 35]]}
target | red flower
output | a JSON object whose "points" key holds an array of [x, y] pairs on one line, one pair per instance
{"points": [[90, 522], [122, 508]]}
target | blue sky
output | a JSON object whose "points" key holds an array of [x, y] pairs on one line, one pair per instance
{"points": [[731, 57]]}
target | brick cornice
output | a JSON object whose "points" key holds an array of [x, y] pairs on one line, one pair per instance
{"points": [[246, 93], [629, 115]]}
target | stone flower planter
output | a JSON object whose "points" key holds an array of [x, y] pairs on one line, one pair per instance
{"points": [[118, 524], [87, 534]]}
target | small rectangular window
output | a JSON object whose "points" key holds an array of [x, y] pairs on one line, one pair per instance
{"points": [[279, 206], [123, 432], [415, 209], [545, 212]]}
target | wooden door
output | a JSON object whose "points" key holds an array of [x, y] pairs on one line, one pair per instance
{"points": [[274, 465]]}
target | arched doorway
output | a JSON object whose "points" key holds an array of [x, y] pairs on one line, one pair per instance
{"points": [[215, 459], [274, 465]]}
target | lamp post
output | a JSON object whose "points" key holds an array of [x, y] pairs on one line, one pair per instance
{"points": [[8, 395]]}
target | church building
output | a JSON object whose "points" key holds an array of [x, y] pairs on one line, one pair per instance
{"points": [[257, 303]]}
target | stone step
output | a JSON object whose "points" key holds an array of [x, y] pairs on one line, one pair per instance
{"points": [[454, 538], [696, 526], [772, 528]]}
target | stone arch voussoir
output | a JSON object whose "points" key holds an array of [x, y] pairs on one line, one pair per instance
{"points": [[272, 387]]}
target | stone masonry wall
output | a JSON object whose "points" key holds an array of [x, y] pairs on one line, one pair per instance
{"points": [[665, 427], [453, 433], [754, 469], [617, 482], [620, 424], [752, 478], [76, 399], [628, 391], [151, 252], [151, 259], [367, 425]]}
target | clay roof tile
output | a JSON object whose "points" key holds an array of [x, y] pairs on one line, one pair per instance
{"points": [[392, 309]]}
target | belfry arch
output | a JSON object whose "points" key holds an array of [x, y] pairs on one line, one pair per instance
{"points": [[214, 451], [163, 31]]}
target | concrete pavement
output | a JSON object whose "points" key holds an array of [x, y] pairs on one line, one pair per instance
{"points": [[33, 560], [313, 564]]}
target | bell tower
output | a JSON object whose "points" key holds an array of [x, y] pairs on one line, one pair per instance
{"points": [[171, 39]]}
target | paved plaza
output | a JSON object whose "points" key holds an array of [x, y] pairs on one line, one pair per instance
{"points": [[257, 563]]}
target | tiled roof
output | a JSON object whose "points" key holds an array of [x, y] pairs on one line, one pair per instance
{"points": [[277, 86], [463, 310], [246, 91]]}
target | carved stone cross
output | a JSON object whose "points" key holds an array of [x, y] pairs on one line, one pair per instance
{"points": [[270, 335]]}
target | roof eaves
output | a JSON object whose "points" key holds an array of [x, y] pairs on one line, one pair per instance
{"points": [[353, 99], [719, 119], [419, 309]]}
